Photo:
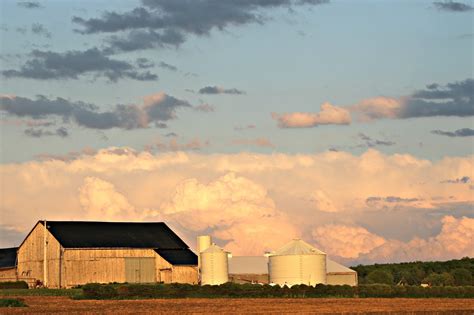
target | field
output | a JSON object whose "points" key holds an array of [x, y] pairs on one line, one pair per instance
{"points": [[62, 304]]}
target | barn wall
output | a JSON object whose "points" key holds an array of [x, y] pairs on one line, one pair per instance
{"points": [[342, 278], [185, 274], [83, 266], [30, 257], [8, 274]]}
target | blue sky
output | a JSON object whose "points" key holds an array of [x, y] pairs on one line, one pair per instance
{"points": [[340, 52], [346, 123]]}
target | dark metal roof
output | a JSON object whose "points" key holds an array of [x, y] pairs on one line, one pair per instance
{"points": [[85, 234], [8, 257], [178, 256]]}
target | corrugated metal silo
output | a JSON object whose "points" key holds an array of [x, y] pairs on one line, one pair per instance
{"points": [[297, 263], [214, 266]]}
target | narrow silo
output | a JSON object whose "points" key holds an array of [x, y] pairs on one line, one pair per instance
{"points": [[297, 263], [203, 243], [214, 266]]}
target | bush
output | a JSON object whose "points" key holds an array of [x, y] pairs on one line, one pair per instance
{"points": [[12, 303], [99, 291], [14, 285]]}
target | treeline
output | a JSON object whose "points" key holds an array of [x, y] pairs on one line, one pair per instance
{"points": [[232, 290], [457, 272]]}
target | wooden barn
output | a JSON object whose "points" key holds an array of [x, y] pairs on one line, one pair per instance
{"points": [[63, 254]]}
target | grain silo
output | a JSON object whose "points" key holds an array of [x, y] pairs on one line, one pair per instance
{"points": [[214, 266], [203, 243], [297, 263]]}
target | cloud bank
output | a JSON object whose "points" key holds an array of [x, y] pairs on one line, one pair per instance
{"points": [[242, 199]]}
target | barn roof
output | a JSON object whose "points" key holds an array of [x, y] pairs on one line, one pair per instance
{"points": [[8, 257], [178, 256], [88, 234]]}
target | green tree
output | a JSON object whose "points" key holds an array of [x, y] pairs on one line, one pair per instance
{"points": [[439, 279], [462, 276], [380, 276]]}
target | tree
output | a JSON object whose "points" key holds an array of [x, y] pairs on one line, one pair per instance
{"points": [[380, 276], [462, 276], [439, 279]]}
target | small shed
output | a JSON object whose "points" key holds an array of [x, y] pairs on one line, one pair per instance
{"points": [[8, 264]]}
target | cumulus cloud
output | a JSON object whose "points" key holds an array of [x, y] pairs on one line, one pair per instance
{"points": [[464, 132], [100, 199], [329, 115], [453, 241], [156, 109], [242, 199], [346, 241], [461, 180], [161, 23], [453, 99], [452, 6], [73, 64], [219, 90], [258, 142]]}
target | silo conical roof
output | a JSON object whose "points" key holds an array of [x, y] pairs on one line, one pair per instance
{"points": [[213, 249], [298, 247]]}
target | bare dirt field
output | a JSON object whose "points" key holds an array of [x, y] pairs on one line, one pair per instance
{"points": [[50, 304]]}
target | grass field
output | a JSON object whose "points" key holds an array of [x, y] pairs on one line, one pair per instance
{"points": [[63, 304]]}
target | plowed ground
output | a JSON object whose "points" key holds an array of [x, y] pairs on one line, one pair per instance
{"points": [[64, 305]]}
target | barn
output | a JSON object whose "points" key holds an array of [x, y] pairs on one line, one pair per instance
{"points": [[63, 254]]}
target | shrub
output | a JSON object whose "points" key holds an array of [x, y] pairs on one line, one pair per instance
{"points": [[99, 291], [12, 303], [14, 285]]}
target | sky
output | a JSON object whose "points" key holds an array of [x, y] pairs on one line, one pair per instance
{"points": [[346, 123]]}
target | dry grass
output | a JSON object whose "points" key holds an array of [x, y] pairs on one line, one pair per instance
{"points": [[57, 304]]}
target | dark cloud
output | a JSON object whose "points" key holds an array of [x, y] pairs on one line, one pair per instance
{"points": [[207, 108], [452, 6], [159, 23], [48, 65], [219, 90], [241, 128], [372, 201], [167, 66], [156, 110], [464, 132], [171, 134], [38, 133], [462, 180], [29, 4], [21, 30], [144, 63], [370, 142], [39, 29], [454, 99]]}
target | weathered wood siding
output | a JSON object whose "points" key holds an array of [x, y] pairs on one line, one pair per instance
{"points": [[8, 274], [30, 257], [98, 265], [185, 274]]}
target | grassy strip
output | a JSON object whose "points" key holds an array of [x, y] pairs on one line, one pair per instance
{"points": [[12, 303], [231, 290], [14, 285], [40, 292]]}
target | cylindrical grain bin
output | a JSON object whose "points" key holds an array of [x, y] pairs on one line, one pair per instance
{"points": [[203, 242], [214, 266], [297, 263]]}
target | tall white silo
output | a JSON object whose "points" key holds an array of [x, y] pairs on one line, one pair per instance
{"points": [[203, 243], [214, 266], [297, 263]]}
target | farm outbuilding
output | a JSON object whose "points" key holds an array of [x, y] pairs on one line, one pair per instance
{"points": [[8, 264], [64, 254]]}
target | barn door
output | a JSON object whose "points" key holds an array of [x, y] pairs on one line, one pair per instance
{"points": [[166, 275], [140, 269]]}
